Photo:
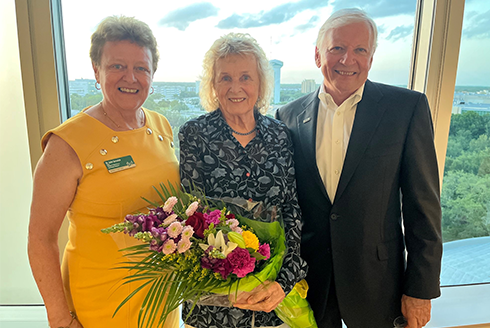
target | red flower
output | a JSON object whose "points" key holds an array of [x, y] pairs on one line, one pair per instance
{"points": [[198, 222]]}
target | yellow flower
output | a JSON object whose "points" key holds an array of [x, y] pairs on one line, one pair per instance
{"points": [[251, 240]]}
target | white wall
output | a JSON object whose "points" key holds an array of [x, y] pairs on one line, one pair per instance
{"points": [[16, 283]]}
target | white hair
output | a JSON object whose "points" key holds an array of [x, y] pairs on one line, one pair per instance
{"points": [[345, 17], [235, 44]]}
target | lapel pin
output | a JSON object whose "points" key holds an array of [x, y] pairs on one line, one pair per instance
{"points": [[306, 120]]}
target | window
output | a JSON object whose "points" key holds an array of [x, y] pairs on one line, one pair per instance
{"points": [[466, 184], [185, 30], [179, 49]]}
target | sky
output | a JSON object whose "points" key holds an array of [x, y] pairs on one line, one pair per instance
{"points": [[286, 30]]}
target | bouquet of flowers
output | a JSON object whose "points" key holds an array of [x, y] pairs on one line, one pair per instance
{"points": [[195, 249]]}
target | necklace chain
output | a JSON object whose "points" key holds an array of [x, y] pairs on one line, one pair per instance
{"points": [[107, 115], [244, 134]]}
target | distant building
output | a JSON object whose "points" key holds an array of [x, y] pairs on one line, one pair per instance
{"points": [[198, 85], [471, 102], [169, 91], [480, 109], [82, 87], [276, 66], [308, 86]]}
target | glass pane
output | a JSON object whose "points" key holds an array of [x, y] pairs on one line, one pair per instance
{"points": [[186, 29], [466, 186]]}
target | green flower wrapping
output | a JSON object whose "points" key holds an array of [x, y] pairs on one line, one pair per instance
{"points": [[170, 271]]}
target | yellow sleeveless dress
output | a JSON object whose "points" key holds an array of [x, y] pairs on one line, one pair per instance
{"points": [[92, 285]]}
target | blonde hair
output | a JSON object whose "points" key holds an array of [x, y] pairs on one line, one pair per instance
{"points": [[120, 28], [235, 44]]}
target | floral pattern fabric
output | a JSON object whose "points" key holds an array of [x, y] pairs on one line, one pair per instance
{"points": [[213, 160]]}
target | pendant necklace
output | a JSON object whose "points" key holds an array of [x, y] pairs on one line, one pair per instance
{"points": [[106, 115]]}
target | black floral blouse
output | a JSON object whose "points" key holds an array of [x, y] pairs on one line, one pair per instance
{"points": [[213, 160]]}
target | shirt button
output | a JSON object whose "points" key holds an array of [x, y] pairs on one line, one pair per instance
{"points": [[337, 172], [338, 113], [334, 217], [337, 141]]}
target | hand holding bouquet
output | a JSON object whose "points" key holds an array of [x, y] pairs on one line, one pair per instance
{"points": [[195, 249]]}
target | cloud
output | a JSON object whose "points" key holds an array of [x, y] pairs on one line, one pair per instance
{"points": [[379, 8], [400, 32], [276, 15], [477, 25], [305, 27], [381, 28], [182, 17]]}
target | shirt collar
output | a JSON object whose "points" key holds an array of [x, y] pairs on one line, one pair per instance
{"points": [[259, 121], [354, 98]]}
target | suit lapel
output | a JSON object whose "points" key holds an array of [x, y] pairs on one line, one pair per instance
{"points": [[307, 124], [368, 116]]}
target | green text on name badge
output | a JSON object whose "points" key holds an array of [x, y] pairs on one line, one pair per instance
{"points": [[119, 164]]}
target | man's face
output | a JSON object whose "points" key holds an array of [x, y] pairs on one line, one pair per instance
{"points": [[345, 59]]}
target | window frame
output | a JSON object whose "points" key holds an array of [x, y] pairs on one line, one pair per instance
{"points": [[435, 56]]}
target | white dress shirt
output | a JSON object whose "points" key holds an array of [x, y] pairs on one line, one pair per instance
{"points": [[333, 132]]}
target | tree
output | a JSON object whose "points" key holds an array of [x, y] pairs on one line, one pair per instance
{"points": [[465, 201], [465, 197], [469, 121]]}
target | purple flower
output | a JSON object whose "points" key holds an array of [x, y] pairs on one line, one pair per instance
{"points": [[150, 221], [159, 233], [265, 250], [159, 212], [212, 217], [241, 261], [221, 266], [136, 228], [130, 218], [155, 246]]}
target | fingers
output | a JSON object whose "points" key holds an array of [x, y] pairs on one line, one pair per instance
{"points": [[416, 311], [264, 298]]}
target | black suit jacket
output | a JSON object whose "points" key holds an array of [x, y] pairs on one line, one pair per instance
{"points": [[390, 171]]}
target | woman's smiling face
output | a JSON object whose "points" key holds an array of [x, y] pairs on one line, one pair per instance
{"points": [[236, 84], [125, 74]]}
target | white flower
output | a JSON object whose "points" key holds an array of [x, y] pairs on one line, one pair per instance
{"points": [[233, 223], [191, 209], [183, 245], [169, 204], [174, 229], [219, 244], [170, 219], [187, 232]]}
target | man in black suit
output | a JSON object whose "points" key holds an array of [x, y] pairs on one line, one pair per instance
{"points": [[368, 187]]}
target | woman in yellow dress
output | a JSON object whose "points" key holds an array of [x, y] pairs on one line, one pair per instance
{"points": [[95, 168]]}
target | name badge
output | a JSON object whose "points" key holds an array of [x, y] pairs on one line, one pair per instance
{"points": [[119, 164]]}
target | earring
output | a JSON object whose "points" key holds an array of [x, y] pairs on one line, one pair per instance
{"points": [[152, 90], [97, 87]]}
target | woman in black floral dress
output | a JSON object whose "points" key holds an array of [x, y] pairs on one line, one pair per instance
{"points": [[236, 151]]}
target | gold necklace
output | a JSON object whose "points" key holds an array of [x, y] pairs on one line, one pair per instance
{"points": [[106, 115]]}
